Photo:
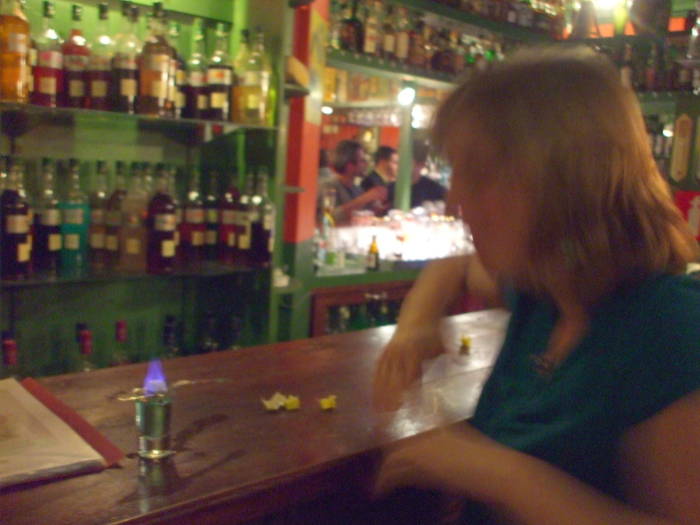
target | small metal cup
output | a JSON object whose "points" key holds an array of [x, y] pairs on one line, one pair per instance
{"points": [[153, 422]]}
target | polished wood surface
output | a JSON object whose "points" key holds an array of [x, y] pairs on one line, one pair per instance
{"points": [[235, 462]]}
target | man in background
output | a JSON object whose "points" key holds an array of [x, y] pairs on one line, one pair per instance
{"points": [[422, 188], [342, 195], [386, 167]]}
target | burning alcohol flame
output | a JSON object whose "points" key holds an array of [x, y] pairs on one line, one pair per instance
{"points": [[154, 382]]}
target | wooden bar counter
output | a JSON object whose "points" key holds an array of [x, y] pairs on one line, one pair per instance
{"points": [[237, 463]]}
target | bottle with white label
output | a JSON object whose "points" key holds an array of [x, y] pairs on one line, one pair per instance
{"points": [[14, 237], [47, 224], [76, 55], [192, 228], [176, 87], [132, 237], [48, 72], [75, 224], [14, 52], [211, 219], [161, 230], [98, 216], [196, 96], [230, 210], [113, 217], [99, 75], [220, 77], [248, 216], [155, 68], [125, 71], [263, 237]]}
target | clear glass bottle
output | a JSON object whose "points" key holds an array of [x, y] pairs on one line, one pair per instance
{"points": [[372, 29], [196, 97], [252, 91], [14, 52], [76, 55], [263, 229], [178, 78], [389, 35], [75, 225], [161, 230], [114, 218], [100, 63], [48, 73], [230, 209], [125, 70], [193, 227], [15, 234], [47, 224], [403, 34], [240, 63], [98, 213], [155, 68], [132, 239], [220, 77]]}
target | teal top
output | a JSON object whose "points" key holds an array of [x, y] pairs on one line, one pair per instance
{"points": [[641, 353]]}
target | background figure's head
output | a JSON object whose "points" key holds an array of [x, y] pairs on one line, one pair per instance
{"points": [[349, 160], [421, 150], [386, 162], [323, 160], [554, 173]]}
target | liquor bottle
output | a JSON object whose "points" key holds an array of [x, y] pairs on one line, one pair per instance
{"points": [[14, 52], [99, 71], [263, 236], [48, 73], [113, 217], [147, 178], [240, 63], [47, 225], [98, 211], [246, 217], [220, 77], [417, 47], [192, 229], [120, 355], [155, 68], [172, 191], [211, 212], [84, 335], [15, 235], [403, 38], [178, 79], [230, 210], [10, 357], [351, 31], [372, 39], [125, 73], [373, 256], [75, 224], [3, 172], [389, 35], [171, 348], [161, 230], [76, 55], [336, 12], [627, 74], [208, 340], [252, 91], [196, 97], [132, 238]]}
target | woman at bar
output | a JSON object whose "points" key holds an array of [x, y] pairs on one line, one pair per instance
{"points": [[592, 411]]}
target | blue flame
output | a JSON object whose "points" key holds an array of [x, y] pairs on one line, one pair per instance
{"points": [[154, 382]]}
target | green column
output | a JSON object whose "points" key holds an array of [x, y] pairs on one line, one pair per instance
{"points": [[402, 195]]}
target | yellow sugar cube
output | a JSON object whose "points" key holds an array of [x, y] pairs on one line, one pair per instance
{"points": [[292, 403], [328, 403], [465, 345]]}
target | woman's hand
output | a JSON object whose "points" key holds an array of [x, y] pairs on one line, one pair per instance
{"points": [[459, 461], [400, 364]]}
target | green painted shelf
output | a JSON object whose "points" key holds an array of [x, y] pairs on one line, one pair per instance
{"points": [[376, 66], [506, 29], [207, 269]]}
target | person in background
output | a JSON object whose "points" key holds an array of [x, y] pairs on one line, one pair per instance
{"points": [[325, 173], [423, 188], [591, 413], [386, 167], [349, 162]]}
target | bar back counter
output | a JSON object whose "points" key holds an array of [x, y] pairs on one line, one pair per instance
{"points": [[235, 462]]}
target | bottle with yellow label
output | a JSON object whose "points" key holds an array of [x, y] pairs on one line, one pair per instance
{"points": [[132, 232], [161, 225], [373, 255], [14, 237], [75, 224], [193, 227], [220, 77], [14, 52], [47, 224], [155, 68]]}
